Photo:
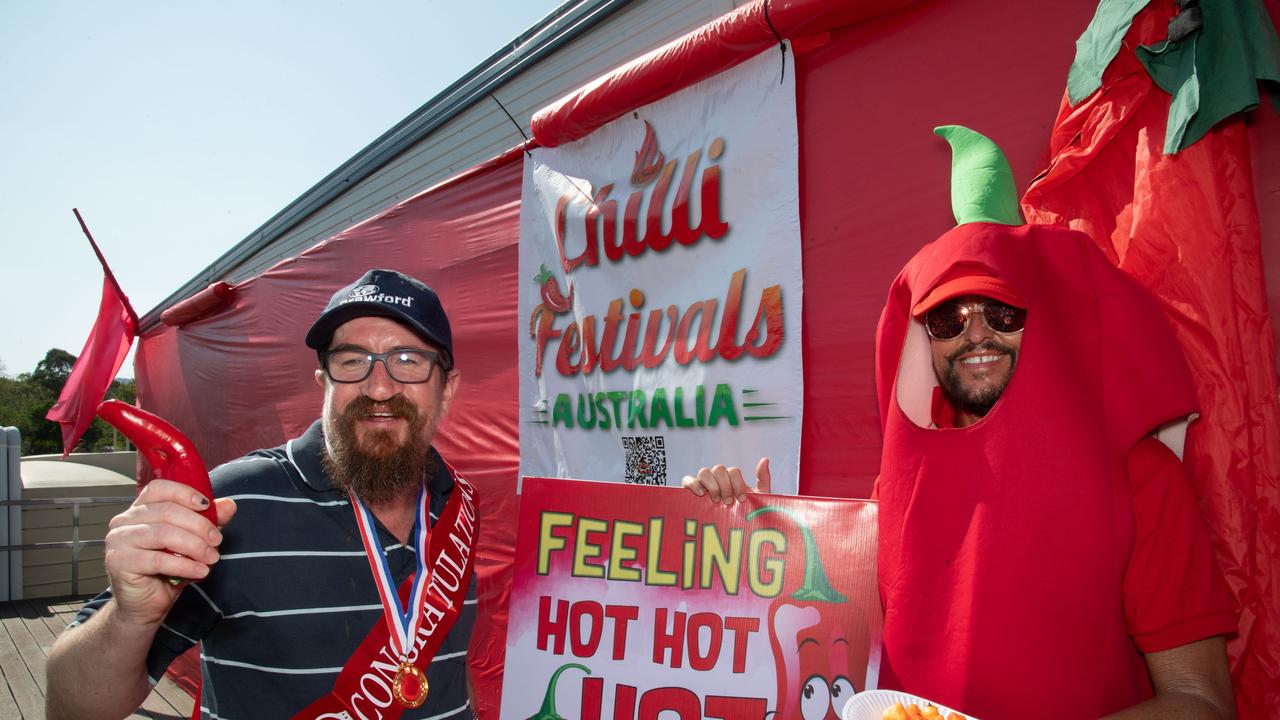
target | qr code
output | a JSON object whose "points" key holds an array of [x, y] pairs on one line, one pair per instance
{"points": [[646, 460]]}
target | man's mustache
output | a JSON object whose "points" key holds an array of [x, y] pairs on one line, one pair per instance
{"points": [[989, 345], [396, 406]]}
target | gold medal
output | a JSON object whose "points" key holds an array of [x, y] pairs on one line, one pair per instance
{"points": [[409, 686]]}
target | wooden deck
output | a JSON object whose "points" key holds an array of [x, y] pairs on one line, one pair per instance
{"points": [[30, 627]]}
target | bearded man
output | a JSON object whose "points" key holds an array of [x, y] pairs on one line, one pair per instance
{"points": [[340, 582]]}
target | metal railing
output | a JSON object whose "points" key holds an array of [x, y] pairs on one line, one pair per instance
{"points": [[75, 543]]}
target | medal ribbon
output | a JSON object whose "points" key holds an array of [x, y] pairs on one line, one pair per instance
{"points": [[402, 620], [363, 687]]}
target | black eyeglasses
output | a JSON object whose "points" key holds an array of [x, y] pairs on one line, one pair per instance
{"points": [[352, 365], [950, 320]]}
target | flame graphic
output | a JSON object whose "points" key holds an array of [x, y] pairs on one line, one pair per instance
{"points": [[648, 159]]}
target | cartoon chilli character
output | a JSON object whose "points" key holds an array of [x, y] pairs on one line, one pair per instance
{"points": [[819, 647]]}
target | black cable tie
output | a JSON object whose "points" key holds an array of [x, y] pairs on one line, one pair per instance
{"points": [[513, 122], [782, 46]]}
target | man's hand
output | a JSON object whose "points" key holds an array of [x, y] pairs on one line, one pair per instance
{"points": [[98, 669], [722, 483], [161, 535]]}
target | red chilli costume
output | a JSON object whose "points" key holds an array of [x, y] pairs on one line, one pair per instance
{"points": [[1022, 568]]}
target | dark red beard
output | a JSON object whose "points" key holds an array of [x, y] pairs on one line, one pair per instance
{"points": [[978, 402], [381, 468]]}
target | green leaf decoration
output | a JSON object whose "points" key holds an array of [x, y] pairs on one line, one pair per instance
{"points": [[816, 586], [1098, 45], [1213, 70], [982, 188], [548, 709]]}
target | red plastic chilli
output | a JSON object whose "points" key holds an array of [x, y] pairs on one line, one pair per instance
{"points": [[172, 456]]}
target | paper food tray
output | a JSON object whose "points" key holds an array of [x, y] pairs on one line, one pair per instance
{"points": [[871, 704]]}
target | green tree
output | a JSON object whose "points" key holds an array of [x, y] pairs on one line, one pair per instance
{"points": [[100, 436], [40, 436], [23, 403], [26, 399], [52, 372], [21, 400]]}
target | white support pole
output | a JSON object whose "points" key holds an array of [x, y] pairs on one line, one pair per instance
{"points": [[11, 517]]}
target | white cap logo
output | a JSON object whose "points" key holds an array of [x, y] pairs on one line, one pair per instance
{"points": [[373, 294]]}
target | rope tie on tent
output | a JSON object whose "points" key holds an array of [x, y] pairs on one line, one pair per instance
{"points": [[782, 46], [520, 130], [513, 122]]}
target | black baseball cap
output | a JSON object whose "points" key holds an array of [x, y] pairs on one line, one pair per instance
{"points": [[391, 294]]}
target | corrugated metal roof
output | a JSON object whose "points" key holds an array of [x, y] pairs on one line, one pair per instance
{"points": [[461, 126]]}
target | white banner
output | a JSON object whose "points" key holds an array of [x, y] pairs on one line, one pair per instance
{"points": [[660, 275]]}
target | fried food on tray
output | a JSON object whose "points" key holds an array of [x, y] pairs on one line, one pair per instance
{"points": [[914, 712]]}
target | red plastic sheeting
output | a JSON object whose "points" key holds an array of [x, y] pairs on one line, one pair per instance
{"points": [[874, 187], [1186, 227], [712, 48]]}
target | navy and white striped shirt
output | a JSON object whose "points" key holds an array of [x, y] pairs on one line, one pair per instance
{"points": [[292, 596]]}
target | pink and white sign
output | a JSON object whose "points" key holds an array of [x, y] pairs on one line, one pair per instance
{"points": [[630, 601], [660, 279]]}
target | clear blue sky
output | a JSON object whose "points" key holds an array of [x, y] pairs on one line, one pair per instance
{"points": [[178, 128]]}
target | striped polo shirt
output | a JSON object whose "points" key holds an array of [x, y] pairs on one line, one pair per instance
{"points": [[292, 596]]}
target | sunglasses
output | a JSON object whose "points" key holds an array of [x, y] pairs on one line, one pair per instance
{"points": [[950, 320]]}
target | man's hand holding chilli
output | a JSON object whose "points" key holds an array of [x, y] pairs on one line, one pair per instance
{"points": [[162, 535]]}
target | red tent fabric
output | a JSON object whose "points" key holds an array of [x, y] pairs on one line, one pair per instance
{"points": [[1186, 226]]}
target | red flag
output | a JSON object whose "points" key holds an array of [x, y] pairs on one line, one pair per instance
{"points": [[99, 361], [1186, 226]]}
